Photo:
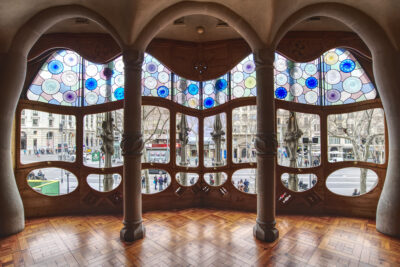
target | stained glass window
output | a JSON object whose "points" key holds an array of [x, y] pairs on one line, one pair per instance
{"points": [[59, 80], [215, 92], [344, 79], [297, 82], [243, 78], [187, 92], [156, 78]]}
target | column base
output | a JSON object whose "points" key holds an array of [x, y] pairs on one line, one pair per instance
{"points": [[132, 232], [265, 231]]}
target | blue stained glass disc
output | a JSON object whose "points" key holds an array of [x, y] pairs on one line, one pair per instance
{"points": [[162, 91], [193, 89], [281, 93], [55, 67], [347, 65], [311, 82], [221, 84], [208, 102], [91, 84], [119, 93]]}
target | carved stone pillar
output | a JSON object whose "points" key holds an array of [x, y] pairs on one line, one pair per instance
{"points": [[265, 145], [132, 146]]}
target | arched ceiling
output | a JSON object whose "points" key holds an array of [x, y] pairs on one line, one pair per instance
{"points": [[129, 17]]}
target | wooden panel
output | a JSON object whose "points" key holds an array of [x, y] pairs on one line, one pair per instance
{"points": [[199, 237]]}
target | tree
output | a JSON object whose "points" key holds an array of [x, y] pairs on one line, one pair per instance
{"points": [[362, 129]]}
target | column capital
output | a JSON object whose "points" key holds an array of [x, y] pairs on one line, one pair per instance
{"points": [[264, 57], [133, 59], [266, 144], [132, 144]]}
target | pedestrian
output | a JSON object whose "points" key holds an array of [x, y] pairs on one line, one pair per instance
{"points": [[355, 192], [165, 180], [246, 185], [314, 181], [143, 182], [155, 182], [160, 182], [192, 180], [211, 179]]}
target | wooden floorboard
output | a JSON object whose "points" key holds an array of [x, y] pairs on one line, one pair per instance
{"points": [[199, 237]]}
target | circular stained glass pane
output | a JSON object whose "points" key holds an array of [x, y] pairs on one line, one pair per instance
{"points": [[352, 85], [119, 80], [208, 102], [163, 77], [250, 82], [70, 59], [331, 58], [333, 77], [280, 65], [296, 73], [50, 86], [208, 89], [91, 84], [281, 79], [249, 67], [119, 93], [91, 70], [221, 84], [162, 91], [150, 82], [91, 98], [333, 95], [347, 65], [55, 67], [310, 69], [192, 102], [69, 96], [311, 97], [311, 82], [296, 89], [119, 65], [151, 67], [237, 77], [238, 91], [69, 78], [281, 93], [107, 73], [193, 89], [105, 91]]}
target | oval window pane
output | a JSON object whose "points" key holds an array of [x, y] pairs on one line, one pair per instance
{"points": [[52, 181], [352, 181], [298, 139], [244, 126], [101, 139], [154, 180], [187, 140], [357, 136], [299, 182], [187, 179], [47, 137], [215, 178], [155, 127], [245, 180], [104, 182]]}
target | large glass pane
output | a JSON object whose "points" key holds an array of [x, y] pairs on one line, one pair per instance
{"points": [[243, 77], [245, 180], [155, 124], [299, 182], [47, 136], [298, 139], [156, 78], [52, 181], [215, 140], [297, 82], [244, 126], [358, 136], [154, 181], [215, 92], [101, 139], [104, 182], [352, 181], [215, 178], [187, 179], [345, 81], [187, 140]]}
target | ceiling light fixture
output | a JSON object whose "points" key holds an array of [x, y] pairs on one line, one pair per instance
{"points": [[200, 29]]}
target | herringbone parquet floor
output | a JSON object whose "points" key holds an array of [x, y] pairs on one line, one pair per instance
{"points": [[199, 237]]}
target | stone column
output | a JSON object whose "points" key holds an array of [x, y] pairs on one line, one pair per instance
{"points": [[265, 145], [132, 146], [12, 75]]}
